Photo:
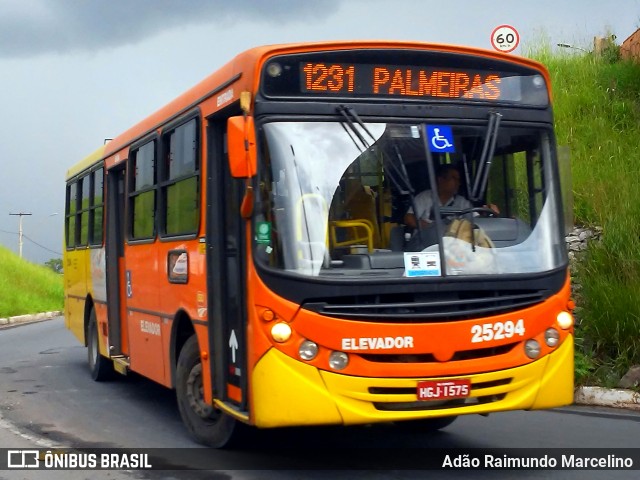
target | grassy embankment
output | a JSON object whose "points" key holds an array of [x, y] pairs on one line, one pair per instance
{"points": [[597, 112], [26, 287]]}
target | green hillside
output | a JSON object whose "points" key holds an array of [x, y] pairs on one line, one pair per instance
{"points": [[597, 112], [26, 287]]}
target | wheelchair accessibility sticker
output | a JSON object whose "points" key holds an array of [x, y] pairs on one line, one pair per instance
{"points": [[440, 138]]}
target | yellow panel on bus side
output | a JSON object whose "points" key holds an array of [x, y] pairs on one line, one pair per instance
{"points": [[76, 268]]}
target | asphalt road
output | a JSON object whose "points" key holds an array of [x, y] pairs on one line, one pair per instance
{"points": [[47, 395]]}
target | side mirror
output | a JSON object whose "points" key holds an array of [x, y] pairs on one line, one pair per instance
{"points": [[241, 145]]}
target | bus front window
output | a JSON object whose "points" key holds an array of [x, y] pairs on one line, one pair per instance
{"points": [[333, 198]]}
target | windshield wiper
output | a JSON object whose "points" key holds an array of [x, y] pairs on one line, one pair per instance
{"points": [[484, 165], [350, 115], [396, 171]]}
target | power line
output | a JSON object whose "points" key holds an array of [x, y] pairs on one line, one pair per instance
{"points": [[32, 241], [41, 246]]}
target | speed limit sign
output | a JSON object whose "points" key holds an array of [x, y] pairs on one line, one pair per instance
{"points": [[505, 38]]}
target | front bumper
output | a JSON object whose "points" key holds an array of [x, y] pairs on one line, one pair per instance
{"points": [[288, 392]]}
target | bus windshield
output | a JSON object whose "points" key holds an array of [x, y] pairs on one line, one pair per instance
{"points": [[334, 198]]}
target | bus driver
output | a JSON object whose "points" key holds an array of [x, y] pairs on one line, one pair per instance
{"points": [[448, 184]]}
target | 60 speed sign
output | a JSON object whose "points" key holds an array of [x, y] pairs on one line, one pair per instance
{"points": [[505, 38]]}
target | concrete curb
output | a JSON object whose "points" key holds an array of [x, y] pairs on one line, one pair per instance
{"points": [[607, 397], [29, 318]]}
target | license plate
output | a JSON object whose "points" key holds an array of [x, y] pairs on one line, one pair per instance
{"points": [[444, 389]]}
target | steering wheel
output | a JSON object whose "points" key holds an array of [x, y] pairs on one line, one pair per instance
{"points": [[446, 212], [490, 212]]}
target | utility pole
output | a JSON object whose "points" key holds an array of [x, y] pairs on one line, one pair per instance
{"points": [[21, 214]]}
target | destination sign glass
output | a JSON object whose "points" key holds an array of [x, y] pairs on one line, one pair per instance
{"points": [[406, 81], [425, 76]]}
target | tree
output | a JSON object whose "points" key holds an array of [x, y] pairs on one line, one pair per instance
{"points": [[54, 264]]}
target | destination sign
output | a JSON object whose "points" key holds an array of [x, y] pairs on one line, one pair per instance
{"points": [[397, 80], [403, 75]]}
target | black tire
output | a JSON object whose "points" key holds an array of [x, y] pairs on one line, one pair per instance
{"points": [[101, 368], [206, 424], [426, 424]]}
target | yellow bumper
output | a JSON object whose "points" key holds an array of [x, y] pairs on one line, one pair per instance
{"points": [[287, 392]]}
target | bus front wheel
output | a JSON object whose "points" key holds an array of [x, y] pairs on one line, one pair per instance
{"points": [[207, 424], [101, 368]]}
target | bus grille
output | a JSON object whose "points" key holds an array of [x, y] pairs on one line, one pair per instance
{"points": [[418, 307], [429, 358]]}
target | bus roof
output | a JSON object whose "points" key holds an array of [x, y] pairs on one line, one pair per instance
{"points": [[86, 162], [242, 72]]}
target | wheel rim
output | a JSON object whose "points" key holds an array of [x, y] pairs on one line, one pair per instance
{"points": [[195, 395]]}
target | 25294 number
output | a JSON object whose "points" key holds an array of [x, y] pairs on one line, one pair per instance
{"points": [[497, 331]]}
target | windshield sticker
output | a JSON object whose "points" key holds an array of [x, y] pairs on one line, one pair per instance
{"points": [[422, 264], [263, 233], [440, 139]]}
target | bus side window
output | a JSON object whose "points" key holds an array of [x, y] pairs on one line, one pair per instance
{"points": [[142, 196], [181, 178], [71, 209]]}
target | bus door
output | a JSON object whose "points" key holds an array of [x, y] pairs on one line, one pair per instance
{"points": [[115, 256], [226, 274]]}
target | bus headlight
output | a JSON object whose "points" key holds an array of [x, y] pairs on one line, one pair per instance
{"points": [[565, 320], [551, 337], [274, 69], [308, 350], [338, 360], [532, 348], [281, 332], [538, 81]]}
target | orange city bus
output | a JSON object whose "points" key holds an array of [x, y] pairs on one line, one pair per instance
{"points": [[248, 244]]}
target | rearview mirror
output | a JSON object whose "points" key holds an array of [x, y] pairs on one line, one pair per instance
{"points": [[241, 144]]}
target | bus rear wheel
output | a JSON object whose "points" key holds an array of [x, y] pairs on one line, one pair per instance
{"points": [[101, 368], [426, 424], [207, 424]]}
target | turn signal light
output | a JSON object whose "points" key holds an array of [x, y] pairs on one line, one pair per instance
{"points": [[565, 320], [281, 332]]}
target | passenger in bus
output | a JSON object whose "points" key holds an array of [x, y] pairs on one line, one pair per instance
{"points": [[448, 184]]}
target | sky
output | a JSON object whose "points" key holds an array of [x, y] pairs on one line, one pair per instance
{"points": [[74, 72]]}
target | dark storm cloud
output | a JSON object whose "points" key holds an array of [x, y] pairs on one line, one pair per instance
{"points": [[33, 27]]}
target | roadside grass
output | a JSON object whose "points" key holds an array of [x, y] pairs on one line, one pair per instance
{"points": [[26, 287], [597, 113]]}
